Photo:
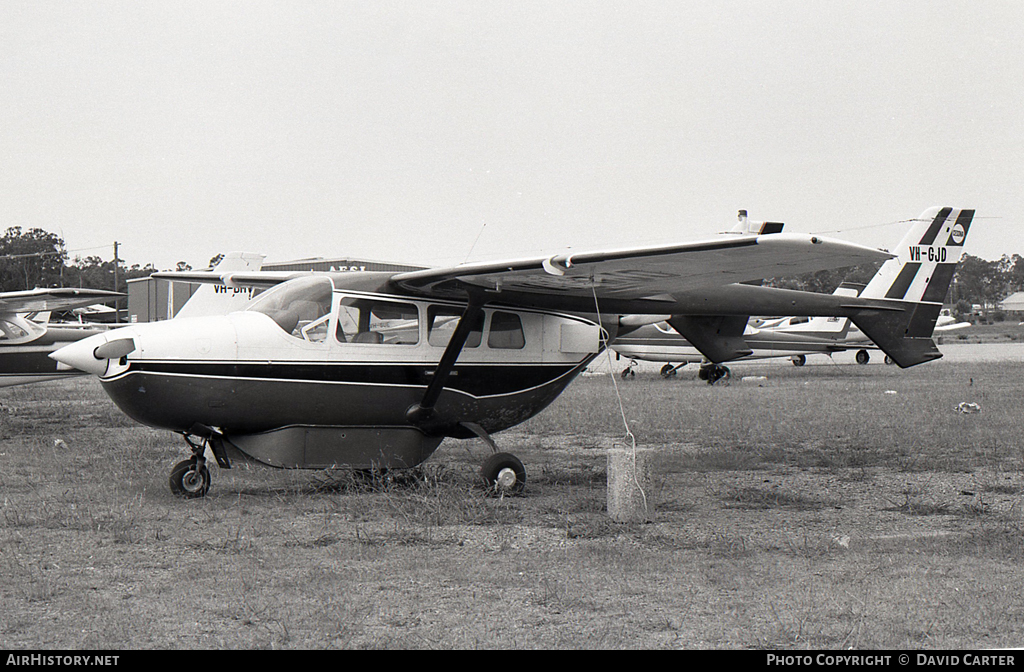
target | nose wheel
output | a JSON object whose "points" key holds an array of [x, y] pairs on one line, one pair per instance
{"points": [[190, 479]]}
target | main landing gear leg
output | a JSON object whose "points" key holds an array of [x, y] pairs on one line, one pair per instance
{"points": [[191, 478], [502, 473]]}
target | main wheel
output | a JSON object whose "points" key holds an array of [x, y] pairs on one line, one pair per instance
{"points": [[799, 360], [188, 482], [863, 357], [668, 371], [715, 373], [504, 473]]}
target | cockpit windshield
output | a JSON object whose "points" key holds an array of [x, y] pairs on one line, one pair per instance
{"points": [[302, 307], [9, 331]]}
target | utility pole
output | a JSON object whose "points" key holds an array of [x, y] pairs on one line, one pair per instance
{"points": [[117, 302]]}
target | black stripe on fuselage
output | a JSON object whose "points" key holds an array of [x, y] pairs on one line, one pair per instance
{"points": [[34, 361], [475, 380]]}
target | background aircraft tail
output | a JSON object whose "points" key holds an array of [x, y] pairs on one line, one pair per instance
{"points": [[916, 281], [221, 299], [747, 226], [926, 258]]}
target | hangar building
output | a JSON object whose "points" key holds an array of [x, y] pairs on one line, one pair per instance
{"points": [[151, 300], [1013, 305]]}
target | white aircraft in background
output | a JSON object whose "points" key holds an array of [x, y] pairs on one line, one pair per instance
{"points": [[27, 338], [370, 370], [921, 271], [225, 298]]}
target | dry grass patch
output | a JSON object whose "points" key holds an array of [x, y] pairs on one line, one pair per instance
{"points": [[817, 511]]}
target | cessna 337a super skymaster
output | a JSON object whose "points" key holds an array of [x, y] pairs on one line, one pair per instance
{"points": [[25, 344], [373, 370], [921, 271]]}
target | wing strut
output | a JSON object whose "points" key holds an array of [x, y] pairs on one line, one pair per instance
{"points": [[422, 414]]}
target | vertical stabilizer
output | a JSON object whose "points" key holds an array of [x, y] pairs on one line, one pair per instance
{"points": [[926, 258], [221, 299], [917, 280]]}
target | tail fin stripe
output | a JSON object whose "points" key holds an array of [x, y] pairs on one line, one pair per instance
{"points": [[933, 230], [964, 220], [941, 278], [903, 281]]}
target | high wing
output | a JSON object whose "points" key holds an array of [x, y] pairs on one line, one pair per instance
{"points": [[630, 280], [637, 280], [38, 300], [231, 279]]}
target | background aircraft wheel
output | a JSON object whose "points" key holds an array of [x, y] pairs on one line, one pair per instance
{"points": [[668, 371], [626, 373], [714, 373], [188, 482], [889, 360], [504, 473], [863, 357], [799, 360]]}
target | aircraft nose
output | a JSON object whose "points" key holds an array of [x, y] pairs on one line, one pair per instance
{"points": [[93, 354]]}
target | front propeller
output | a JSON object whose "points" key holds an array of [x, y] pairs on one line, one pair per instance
{"points": [[92, 354], [114, 349]]}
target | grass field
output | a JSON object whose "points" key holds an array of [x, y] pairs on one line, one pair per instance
{"points": [[823, 507]]}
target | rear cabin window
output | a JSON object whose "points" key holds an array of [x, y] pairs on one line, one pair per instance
{"points": [[506, 332], [376, 321], [441, 323]]}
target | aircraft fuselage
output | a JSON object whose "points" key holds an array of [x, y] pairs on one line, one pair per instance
{"points": [[326, 376]]}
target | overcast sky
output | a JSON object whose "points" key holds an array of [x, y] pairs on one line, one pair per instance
{"points": [[442, 132]]}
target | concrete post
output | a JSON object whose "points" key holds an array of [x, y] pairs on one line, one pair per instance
{"points": [[630, 495]]}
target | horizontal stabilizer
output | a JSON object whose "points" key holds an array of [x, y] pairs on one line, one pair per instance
{"points": [[905, 336], [717, 337]]}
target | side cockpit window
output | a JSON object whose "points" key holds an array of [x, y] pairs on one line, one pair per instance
{"points": [[301, 307], [376, 321]]}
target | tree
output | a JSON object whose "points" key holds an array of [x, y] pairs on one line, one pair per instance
{"points": [[95, 273], [29, 259], [980, 281], [826, 282]]}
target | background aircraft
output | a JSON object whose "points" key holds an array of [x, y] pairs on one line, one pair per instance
{"points": [[25, 343], [912, 274], [327, 370], [227, 298], [27, 337]]}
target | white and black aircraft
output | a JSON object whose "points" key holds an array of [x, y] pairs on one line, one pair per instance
{"points": [[26, 341], [921, 271], [373, 370]]}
